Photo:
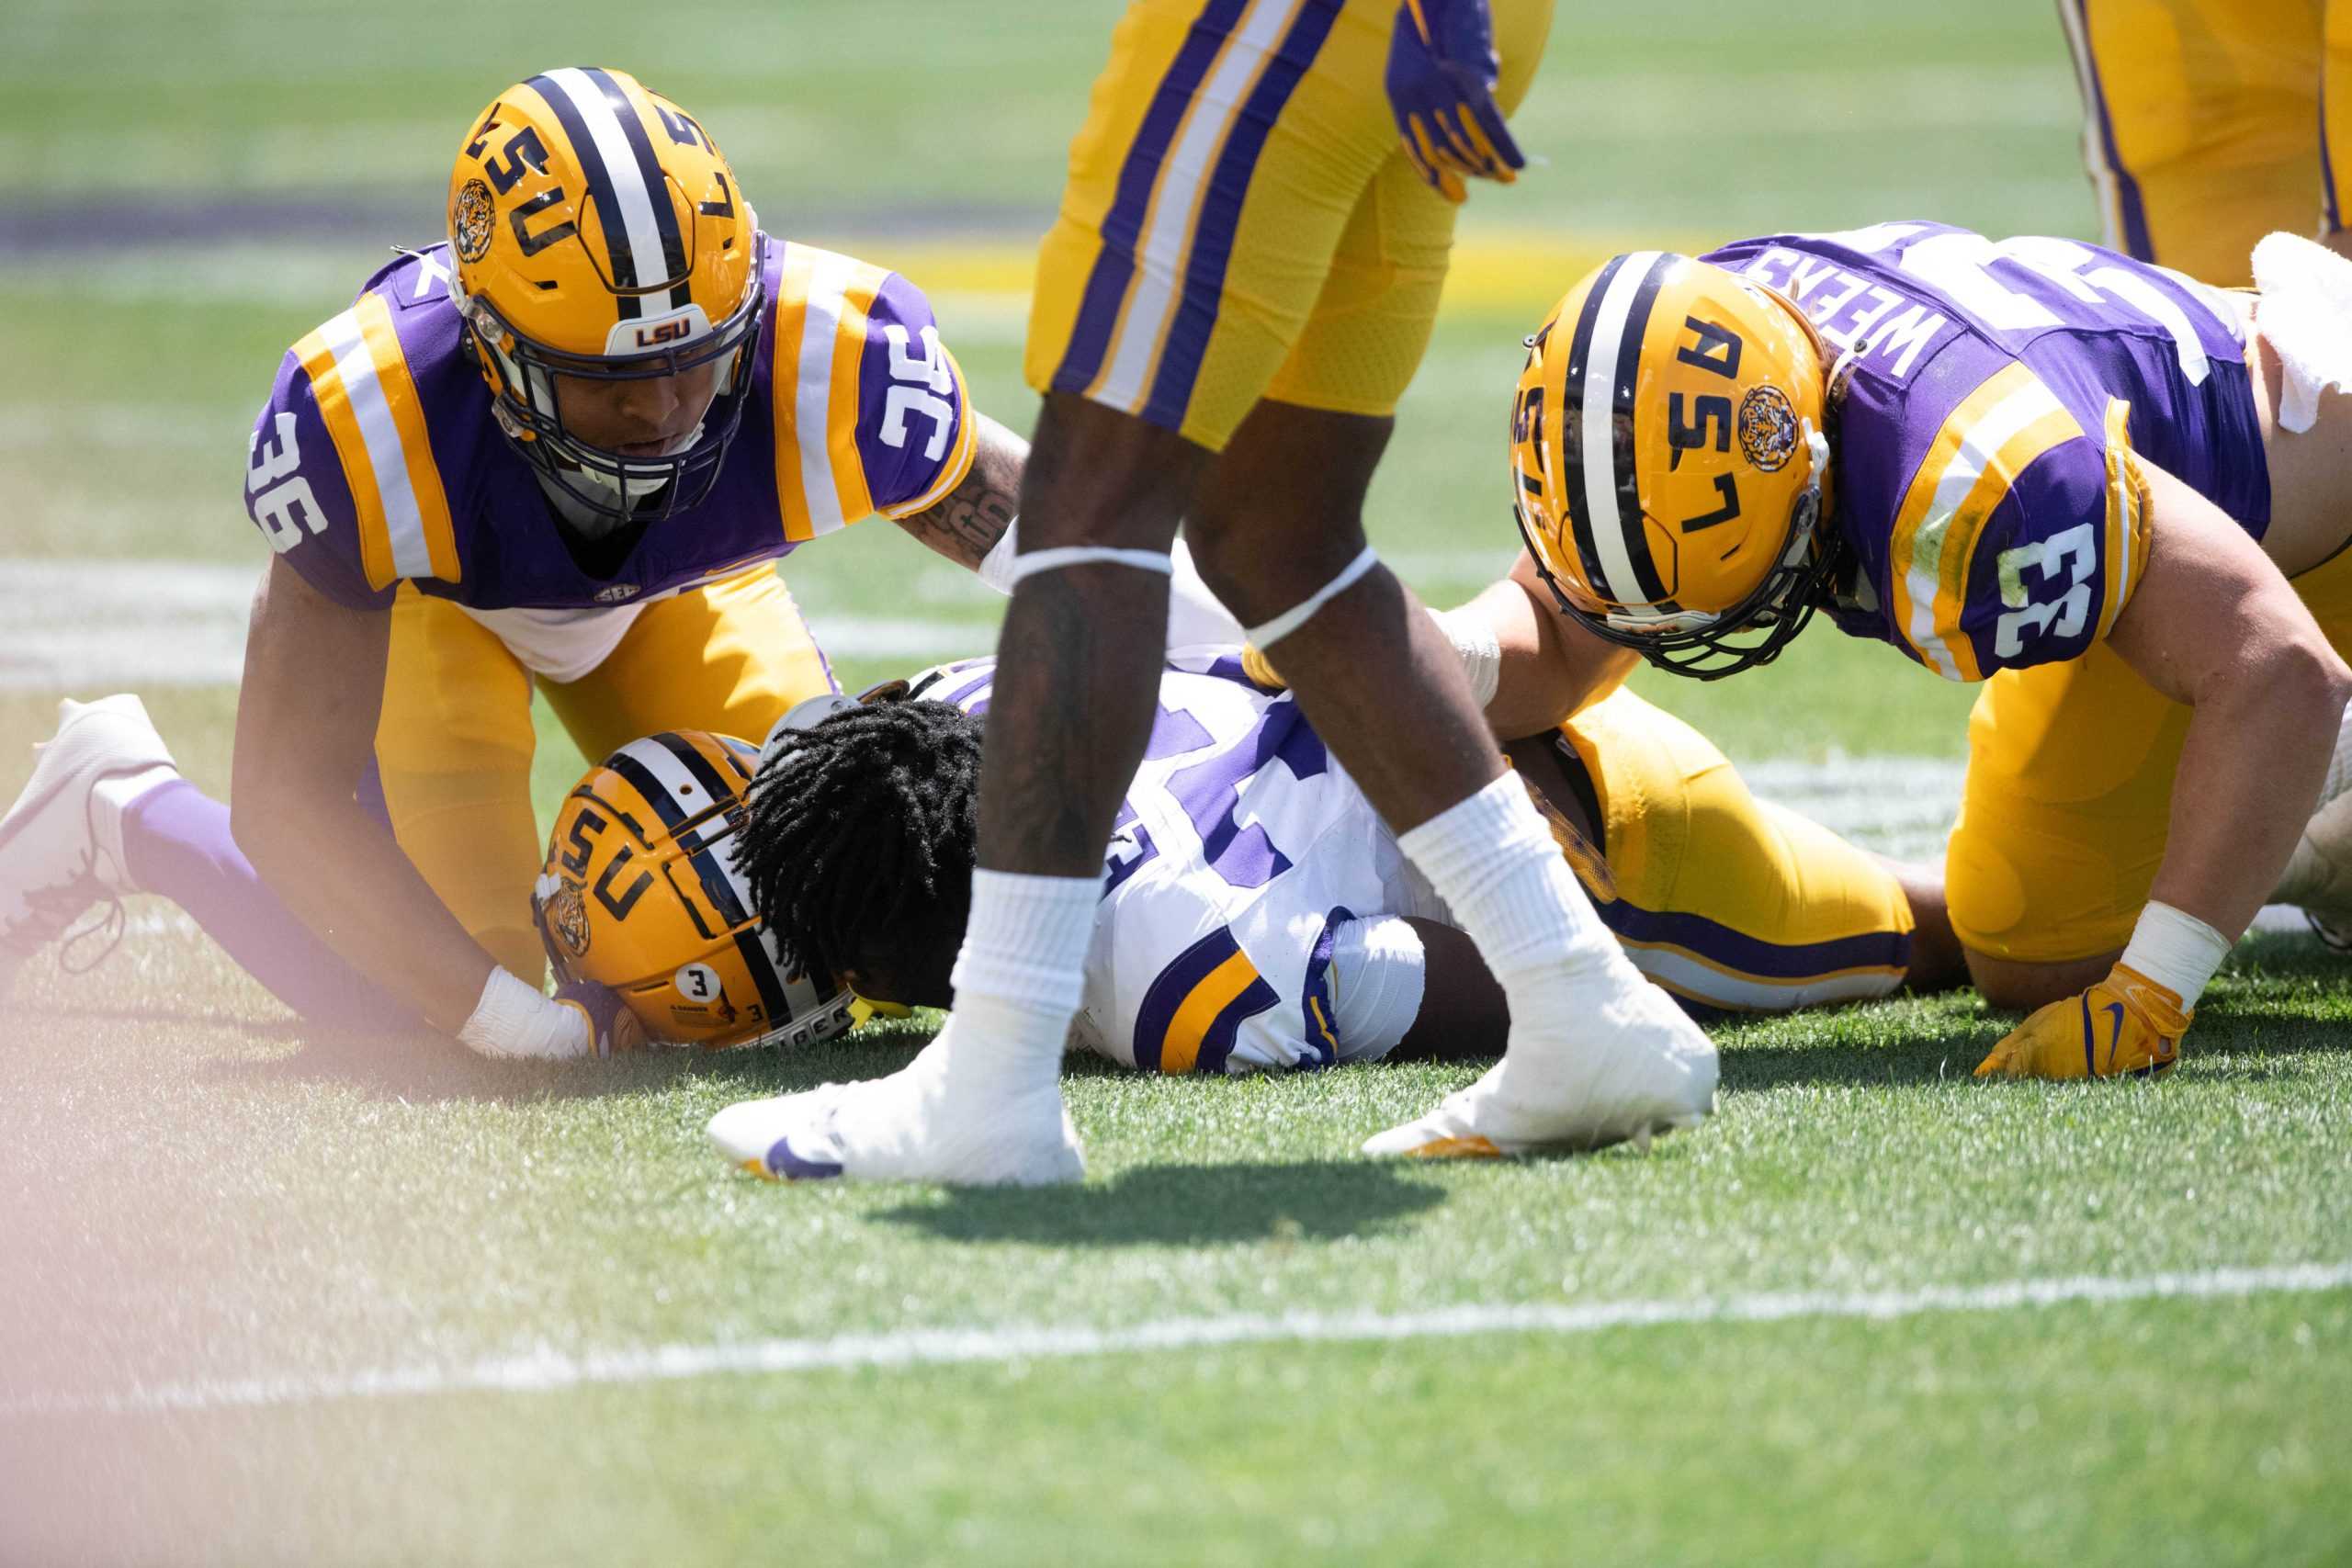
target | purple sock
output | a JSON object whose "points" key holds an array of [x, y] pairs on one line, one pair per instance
{"points": [[177, 840]]}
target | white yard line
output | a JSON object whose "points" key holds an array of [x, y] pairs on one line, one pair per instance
{"points": [[86, 627], [81, 625], [548, 1370]]}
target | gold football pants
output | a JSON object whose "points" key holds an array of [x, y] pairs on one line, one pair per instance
{"points": [[1240, 220], [455, 742]]}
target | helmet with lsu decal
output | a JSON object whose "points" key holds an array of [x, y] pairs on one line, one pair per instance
{"points": [[640, 892], [604, 256], [1669, 461]]}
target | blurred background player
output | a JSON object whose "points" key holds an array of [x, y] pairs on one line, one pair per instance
{"points": [[560, 451], [2032, 463], [1242, 279], [2211, 123], [1212, 951]]}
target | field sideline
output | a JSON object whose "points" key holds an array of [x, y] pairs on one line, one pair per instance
{"points": [[273, 1294]]}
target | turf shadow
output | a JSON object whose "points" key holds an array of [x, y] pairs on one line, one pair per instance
{"points": [[1183, 1205], [431, 1067]]}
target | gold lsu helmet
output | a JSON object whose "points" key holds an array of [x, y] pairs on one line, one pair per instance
{"points": [[1669, 461], [641, 892], [597, 233]]}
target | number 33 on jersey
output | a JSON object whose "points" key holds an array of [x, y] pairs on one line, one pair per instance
{"points": [[1991, 396]]}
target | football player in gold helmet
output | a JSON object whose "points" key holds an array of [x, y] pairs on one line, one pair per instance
{"points": [[640, 894], [562, 448], [2033, 463]]}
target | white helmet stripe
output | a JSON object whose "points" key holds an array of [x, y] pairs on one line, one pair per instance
{"points": [[689, 799], [635, 225], [1620, 580]]}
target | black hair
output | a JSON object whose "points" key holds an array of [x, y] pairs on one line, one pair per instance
{"points": [[860, 833]]}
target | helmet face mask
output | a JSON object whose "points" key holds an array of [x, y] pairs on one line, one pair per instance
{"points": [[527, 379], [1707, 648], [598, 239], [1669, 465]]}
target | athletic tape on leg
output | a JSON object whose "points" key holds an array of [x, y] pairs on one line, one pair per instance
{"points": [[1035, 561], [1265, 636]]}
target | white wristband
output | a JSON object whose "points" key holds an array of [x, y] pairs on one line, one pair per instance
{"points": [[996, 567], [515, 1020], [2177, 951], [1472, 637]]}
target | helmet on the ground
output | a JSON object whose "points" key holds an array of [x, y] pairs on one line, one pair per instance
{"points": [[1668, 462], [596, 233], [640, 892]]}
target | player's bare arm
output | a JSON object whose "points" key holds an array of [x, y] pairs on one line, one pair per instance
{"points": [[2215, 625], [967, 526], [1548, 666], [306, 735]]}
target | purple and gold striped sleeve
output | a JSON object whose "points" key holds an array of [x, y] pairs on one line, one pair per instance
{"points": [[341, 477], [871, 411], [1192, 1011], [2019, 537]]}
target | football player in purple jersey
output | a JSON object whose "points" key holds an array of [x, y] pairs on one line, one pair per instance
{"points": [[2109, 493], [561, 451]]}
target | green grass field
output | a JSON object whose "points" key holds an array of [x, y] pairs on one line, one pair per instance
{"points": [[273, 1296]]}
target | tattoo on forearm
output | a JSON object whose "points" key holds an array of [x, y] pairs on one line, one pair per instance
{"points": [[967, 526]]}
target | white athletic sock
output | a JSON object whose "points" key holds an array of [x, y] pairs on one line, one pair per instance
{"points": [[110, 798], [1021, 971], [1495, 863]]}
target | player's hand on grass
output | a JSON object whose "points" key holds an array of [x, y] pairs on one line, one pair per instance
{"points": [[1441, 75], [613, 1030], [2126, 1023]]}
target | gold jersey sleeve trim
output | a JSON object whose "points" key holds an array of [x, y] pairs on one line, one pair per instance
{"points": [[365, 397], [1993, 436]]}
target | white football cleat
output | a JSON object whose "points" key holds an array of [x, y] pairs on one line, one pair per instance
{"points": [[61, 844], [1637, 1068], [949, 1116]]}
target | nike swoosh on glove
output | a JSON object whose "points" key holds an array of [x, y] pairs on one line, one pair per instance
{"points": [[1442, 75], [2126, 1023], [614, 1030]]}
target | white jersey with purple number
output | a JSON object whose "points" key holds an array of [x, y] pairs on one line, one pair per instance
{"points": [[1240, 852]]}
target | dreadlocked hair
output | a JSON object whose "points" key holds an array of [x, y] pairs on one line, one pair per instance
{"points": [[860, 833]]}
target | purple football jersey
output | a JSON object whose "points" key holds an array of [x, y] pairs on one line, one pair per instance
{"points": [[1994, 391], [377, 460]]}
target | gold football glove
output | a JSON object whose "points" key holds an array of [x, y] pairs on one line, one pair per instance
{"points": [[2126, 1023]]}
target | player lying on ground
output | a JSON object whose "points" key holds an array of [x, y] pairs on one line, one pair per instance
{"points": [[1256, 912], [1242, 277], [2113, 495], [561, 450]]}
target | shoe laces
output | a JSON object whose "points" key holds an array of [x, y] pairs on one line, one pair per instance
{"points": [[105, 927], [52, 911]]}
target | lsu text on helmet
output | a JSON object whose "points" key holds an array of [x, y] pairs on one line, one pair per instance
{"points": [[639, 892], [598, 237], [1669, 461]]}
